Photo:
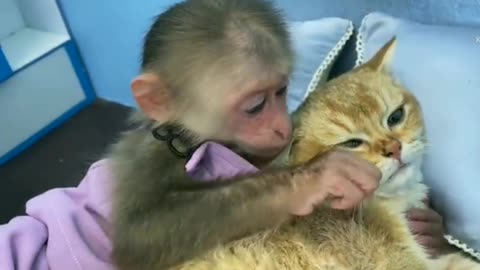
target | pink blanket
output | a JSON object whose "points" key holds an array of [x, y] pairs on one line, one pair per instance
{"points": [[69, 228]]}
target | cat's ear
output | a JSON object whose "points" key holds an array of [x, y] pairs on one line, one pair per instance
{"points": [[383, 59]]}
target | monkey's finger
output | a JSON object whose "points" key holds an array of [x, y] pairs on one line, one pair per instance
{"points": [[430, 242], [368, 168], [305, 210], [425, 228], [304, 201], [361, 164], [427, 215], [362, 177], [347, 196]]}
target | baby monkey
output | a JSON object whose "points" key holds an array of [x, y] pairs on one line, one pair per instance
{"points": [[216, 70]]}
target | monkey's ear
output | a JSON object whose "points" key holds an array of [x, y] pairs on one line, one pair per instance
{"points": [[151, 95]]}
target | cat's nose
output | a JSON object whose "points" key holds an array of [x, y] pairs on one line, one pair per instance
{"points": [[393, 149]]}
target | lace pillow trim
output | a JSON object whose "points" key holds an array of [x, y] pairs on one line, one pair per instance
{"points": [[329, 59], [462, 246]]}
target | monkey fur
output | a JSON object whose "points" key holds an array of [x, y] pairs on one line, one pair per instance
{"points": [[161, 217]]}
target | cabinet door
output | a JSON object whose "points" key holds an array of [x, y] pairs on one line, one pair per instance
{"points": [[5, 69], [36, 99]]}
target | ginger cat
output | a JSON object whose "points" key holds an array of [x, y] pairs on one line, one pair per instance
{"points": [[366, 112]]}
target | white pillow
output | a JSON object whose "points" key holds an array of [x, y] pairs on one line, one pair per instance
{"points": [[441, 66], [317, 44]]}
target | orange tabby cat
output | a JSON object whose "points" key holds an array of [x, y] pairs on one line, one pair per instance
{"points": [[366, 112]]}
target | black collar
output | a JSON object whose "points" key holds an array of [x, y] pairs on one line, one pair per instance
{"points": [[179, 140]]}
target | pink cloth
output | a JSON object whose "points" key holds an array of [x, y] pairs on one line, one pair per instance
{"points": [[68, 228]]}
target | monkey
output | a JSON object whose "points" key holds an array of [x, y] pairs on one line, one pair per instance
{"points": [[215, 70]]}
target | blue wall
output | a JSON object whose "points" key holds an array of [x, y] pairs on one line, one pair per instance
{"points": [[109, 33]]}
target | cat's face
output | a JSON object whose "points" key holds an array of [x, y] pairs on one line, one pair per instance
{"points": [[367, 113]]}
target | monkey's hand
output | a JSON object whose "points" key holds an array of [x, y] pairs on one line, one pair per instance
{"points": [[340, 177], [184, 220], [174, 223]]}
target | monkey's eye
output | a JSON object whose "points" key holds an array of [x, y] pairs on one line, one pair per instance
{"points": [[258, 106], [353, 143], [396, 117], [281, 92]]}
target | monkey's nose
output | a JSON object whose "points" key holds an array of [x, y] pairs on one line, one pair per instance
{"points": [[282, 135], [281, 129], [284, 132]]}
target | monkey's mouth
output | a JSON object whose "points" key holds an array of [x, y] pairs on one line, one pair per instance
{"points": [[271, 151]]}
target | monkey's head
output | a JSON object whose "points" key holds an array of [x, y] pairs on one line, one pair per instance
{"points": [[220, 68]]}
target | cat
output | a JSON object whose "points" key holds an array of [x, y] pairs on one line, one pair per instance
{"points": [[367, 112]]}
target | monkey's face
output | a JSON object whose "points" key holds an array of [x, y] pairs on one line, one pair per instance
{"points": [[260, 124], [252, 116]]}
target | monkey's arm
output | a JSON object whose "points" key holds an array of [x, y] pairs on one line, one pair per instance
{"points": [[186, 223]]}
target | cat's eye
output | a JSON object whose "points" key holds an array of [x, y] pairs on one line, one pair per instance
{"points": [[257, 107], [353, 143], [396, 117]]}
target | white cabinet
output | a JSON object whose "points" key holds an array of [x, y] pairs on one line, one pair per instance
{"points": [[42, 80]]}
